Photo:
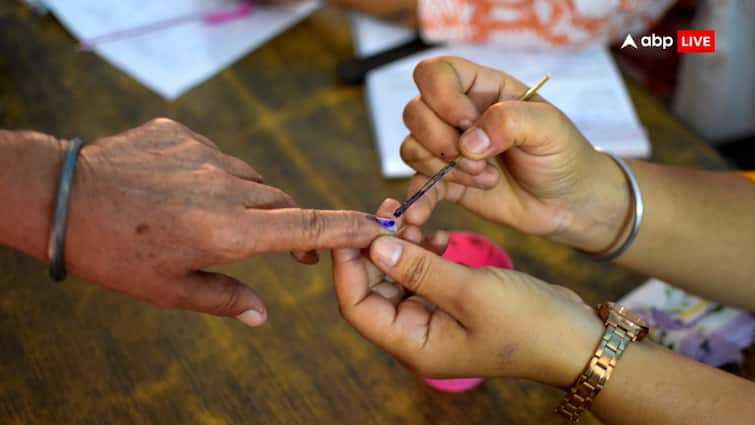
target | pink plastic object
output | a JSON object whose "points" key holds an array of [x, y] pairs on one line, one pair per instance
{"points": [[474, 251]]}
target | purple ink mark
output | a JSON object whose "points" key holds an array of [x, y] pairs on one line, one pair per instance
{"points": [[385, 222], [212, 17]]}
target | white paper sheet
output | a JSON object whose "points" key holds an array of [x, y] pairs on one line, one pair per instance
{"points": [[374, 35], [585, 84], [173, 60]]}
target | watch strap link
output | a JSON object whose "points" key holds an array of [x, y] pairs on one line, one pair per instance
{"points": [[616, 337]]}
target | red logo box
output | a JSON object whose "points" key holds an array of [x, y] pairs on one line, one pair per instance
{"points": [[696, 41]]}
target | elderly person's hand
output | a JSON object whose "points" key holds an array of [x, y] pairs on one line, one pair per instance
{"points": [[152, 207]]}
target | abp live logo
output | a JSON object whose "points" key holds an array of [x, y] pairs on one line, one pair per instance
{"points": [[696, 41], [687, 41]]}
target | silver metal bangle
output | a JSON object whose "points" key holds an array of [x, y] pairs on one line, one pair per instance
{"points": [[638, 206], [60, 213]]}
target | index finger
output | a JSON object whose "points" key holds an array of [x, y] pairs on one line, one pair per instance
{"points": [[294, 229]]}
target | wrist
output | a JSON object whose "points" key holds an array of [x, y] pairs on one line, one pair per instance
{"points": [[29, 167], [600, 219], [575, 345], [567, 333]]}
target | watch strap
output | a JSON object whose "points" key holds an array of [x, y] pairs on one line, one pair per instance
{"points": [[616, 337]]}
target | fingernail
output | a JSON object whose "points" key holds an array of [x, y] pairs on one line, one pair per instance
{"points": [[387, 290], [465, 124], [486, 180], [475, 141], [441, 237], [388, 251], [472, 166], [252, 318]]}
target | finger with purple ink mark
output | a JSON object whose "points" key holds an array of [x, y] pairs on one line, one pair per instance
{"points": [[387, 223]]}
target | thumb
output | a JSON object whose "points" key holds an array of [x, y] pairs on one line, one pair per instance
{"points": [[532, 126], [221, 295], [446, 284]]}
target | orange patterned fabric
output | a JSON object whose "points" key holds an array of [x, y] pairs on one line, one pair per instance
{"points": [[537, 23]]}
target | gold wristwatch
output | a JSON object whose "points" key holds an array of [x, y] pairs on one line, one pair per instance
{"points": [[622, 327]]}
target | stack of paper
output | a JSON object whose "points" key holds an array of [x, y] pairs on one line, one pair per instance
{"points": [[185, 52], [585, 84]]}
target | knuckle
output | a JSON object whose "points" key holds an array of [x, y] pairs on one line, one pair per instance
{"points": [[500, 114], [410, 150], [549, 110], [346, 311], [417, 272], [423, 69], [286, 200], [161, 122], [505, 117], [229, 299], [312, 225], [496, 281], [449, 111], [242, 165], [410, 113], [212, 234], [405, 150], [499, 276], [426, 68]]}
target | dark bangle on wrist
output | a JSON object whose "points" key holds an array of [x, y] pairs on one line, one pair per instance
{"points": [[60, 212]]}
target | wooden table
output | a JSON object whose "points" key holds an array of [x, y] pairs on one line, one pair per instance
{"points": [[77, 354]]}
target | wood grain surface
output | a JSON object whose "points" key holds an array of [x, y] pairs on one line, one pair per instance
{"points": [[78, 354]]}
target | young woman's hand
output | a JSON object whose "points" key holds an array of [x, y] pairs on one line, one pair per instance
{"points": [[461, 321], [377, 281], [524, 163]]}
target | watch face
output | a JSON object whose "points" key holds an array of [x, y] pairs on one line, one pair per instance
{"points": [[622, 311]]}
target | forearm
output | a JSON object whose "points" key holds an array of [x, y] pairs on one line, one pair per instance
{"points": [[698, 232], [29, 163], [652, 385]]}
